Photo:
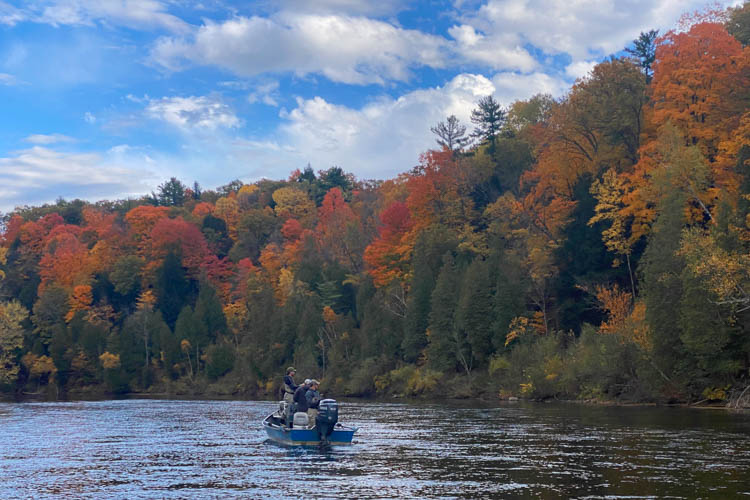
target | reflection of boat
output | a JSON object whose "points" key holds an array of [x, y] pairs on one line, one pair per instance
{"points": [[325, 430]]}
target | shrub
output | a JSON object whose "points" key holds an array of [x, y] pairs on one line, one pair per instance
{"points": [[220, 360]]}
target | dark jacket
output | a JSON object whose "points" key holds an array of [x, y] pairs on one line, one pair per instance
{"points": [[289, 382], [313, 398], [300, 399]]}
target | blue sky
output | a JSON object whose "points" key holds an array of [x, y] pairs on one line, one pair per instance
{"points": [[105, 99]]}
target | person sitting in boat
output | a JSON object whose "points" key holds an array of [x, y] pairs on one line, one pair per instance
{"points": [[312, 398], [289, 385]]}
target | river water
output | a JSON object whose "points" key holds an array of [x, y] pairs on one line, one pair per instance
{"points": [[217, 449]]}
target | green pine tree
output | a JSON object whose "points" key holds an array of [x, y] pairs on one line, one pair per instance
{"points": [[661, 282], [474, 315], [172, 288], [441, 348]]}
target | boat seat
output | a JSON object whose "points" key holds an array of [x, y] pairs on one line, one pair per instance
{"points": [[301, 421]]}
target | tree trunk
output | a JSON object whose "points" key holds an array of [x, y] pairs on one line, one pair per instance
{"points": [[190, 363], [630, 271], [145, 338]]}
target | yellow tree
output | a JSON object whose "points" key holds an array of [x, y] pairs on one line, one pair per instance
{"points": [[146, 301], [532, 231], [39, 367], [624, 318], [3, 260], [12, 314], [609, 194], [247, 196], [238, 318], [228, 209], [726, 273], [293, 202]]}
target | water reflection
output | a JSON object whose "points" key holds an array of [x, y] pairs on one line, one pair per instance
{"points": [[178, 449]]}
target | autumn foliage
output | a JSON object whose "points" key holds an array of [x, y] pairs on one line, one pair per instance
{"points": [[596, 243]]}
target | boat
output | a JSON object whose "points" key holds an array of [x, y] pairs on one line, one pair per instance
{"points": [[325, 430]]}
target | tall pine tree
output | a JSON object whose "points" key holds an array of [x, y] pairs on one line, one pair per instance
{"points": [[441, 350]]}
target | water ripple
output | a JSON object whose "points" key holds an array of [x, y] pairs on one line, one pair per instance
{"points": [[216, 449]]}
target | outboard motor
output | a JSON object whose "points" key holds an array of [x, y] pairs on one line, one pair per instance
{"points": [[328, 415]]}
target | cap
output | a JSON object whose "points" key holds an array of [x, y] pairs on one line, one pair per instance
{"points": [[290, 369], [307, 381], [314, 382]]}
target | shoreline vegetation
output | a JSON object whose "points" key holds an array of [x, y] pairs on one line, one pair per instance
{"points": [[396, 398], [593, 248]]}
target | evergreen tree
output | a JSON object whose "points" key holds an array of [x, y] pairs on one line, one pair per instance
{"points": [[431, 246], [584, 259], [509, 297], [49, 314], [186, 329], [217, 236], [738, 24], [418, 305], [59, 348], [126, 276], [210, 322], [474, 314], [662, 286], [704, 334], [441, 349], [197, 191], [129, 344], [489, 118], [171, 193], [644, 50], [331, 178], [172, 288]]}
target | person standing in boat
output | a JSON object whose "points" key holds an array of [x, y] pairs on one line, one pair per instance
{"points": [[300, 403], [312, 398], [289, 385]]}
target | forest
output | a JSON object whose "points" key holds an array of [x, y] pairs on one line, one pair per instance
{"points": [[592, 247]]}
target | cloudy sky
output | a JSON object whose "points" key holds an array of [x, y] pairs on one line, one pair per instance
{"points": [[108, 98]]}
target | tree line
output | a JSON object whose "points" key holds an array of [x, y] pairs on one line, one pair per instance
{"points": [[593, 246]]}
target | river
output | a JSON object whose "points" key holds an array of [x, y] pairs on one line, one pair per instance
{"points": [[217, 449]]}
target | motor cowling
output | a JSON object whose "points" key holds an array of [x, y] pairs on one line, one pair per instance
{"points": [[328, 416]]}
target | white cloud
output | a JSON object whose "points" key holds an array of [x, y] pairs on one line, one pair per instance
{"points": [[135, 14], [496, 52], [579, 69], [584, 29], [345, 49], [6, 79], [193, 113], [510, 87], [10, 15], [267, 93], [48, 138], [357, 7], [89, 117], [40, 175], [386, 136]]}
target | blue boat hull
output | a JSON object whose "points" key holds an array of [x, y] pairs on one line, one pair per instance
{"points": [[306, 437]]}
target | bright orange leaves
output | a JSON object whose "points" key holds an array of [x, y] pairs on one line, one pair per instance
{"points": [[389, 255]]}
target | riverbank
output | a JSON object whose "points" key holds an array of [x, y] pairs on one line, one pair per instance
{"points": [[103, 395]]}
